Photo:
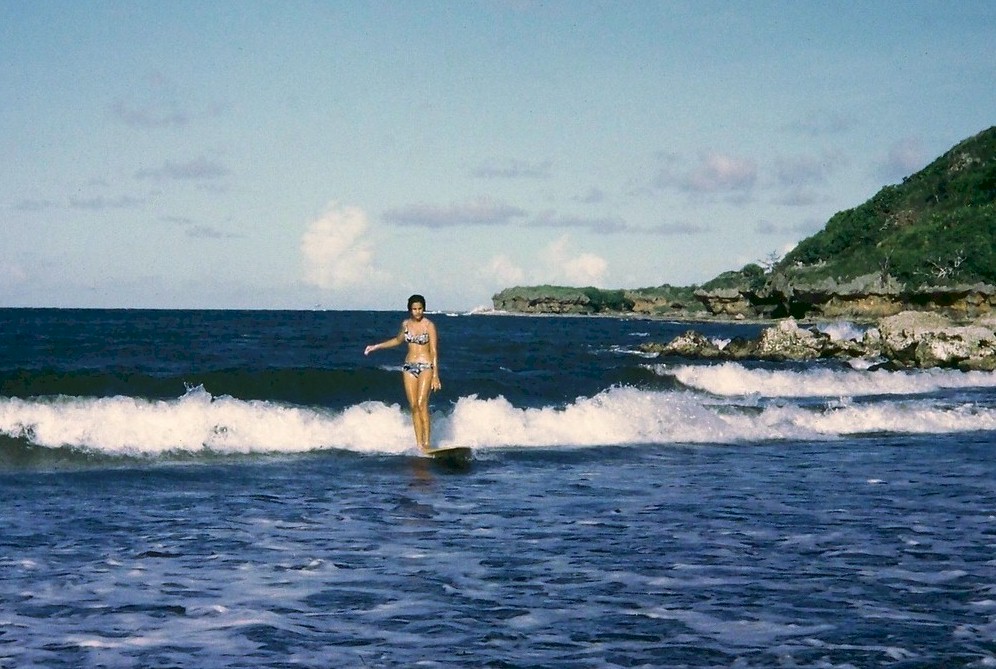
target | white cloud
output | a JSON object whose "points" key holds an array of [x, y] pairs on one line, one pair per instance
{"points": [[583, 269], [336, 250], [505, 271]]}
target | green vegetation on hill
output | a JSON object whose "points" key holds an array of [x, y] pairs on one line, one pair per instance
{"points": [[750, 277], [936, 228]]}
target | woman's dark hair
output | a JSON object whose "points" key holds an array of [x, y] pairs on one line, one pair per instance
{"points": [[416, 299]]}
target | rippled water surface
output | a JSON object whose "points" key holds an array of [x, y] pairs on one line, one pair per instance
{"points": [[870, 553]]}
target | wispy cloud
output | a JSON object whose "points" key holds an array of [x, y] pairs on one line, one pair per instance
{"points": [[479, 211], [159, 104], [678, 229], [179, 220], [720, 172], [551, 219], [794, 180], [715, 173], [512, 169], [610, 225], [210, 232], [192, 228], [198, 169], [593, 195], [30, 205], [100, 202], [149, 115], [336, 250]]}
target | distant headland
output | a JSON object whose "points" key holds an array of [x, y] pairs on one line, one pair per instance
{"points": [[927, 244]]}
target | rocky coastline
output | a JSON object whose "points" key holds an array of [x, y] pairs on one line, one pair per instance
{"points": [[916, 263], [927, 244], [864, 299], [909, 339]]}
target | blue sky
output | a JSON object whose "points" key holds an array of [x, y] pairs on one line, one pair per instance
{"points": [[346, 154]]}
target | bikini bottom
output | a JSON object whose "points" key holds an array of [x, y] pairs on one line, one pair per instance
{"points": [[416, 368]]}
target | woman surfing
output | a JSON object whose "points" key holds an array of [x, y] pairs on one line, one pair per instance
{"points": [[420, 372]]}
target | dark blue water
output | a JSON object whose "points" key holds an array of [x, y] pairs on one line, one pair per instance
{"points": [[239, 489]]}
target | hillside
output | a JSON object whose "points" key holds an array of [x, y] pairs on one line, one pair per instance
{"points": [[928, 243]]}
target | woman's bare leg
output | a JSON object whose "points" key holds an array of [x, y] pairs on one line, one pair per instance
{"points": [[417, 392]]}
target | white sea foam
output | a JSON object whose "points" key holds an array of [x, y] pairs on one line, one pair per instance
{"points": [[199, 422], [842, 330], [733, 379]]}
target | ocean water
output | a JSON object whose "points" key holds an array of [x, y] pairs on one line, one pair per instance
{"points": [[240, 489]]}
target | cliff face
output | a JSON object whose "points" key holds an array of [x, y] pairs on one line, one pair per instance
{"points": [[928, 244], [865, 298]]}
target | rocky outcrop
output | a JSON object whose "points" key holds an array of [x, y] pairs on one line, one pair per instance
{"points": [[663, 301], [864, 298], [729, 302], [916, 339], [690, 344], [907, 339], [578, 304]]}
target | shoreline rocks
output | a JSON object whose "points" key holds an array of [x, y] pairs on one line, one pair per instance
{"points": [[909, 339]]}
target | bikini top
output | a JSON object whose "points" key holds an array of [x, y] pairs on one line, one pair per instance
{"points": [[422, 338]]}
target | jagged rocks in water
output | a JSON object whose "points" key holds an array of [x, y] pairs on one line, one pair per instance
{"points": [[908, 339], [920, 339], [787, 341], [690, 344]]}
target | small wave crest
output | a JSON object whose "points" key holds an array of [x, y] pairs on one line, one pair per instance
{"points": [[629, 416], [732, 379], [197, 421]]}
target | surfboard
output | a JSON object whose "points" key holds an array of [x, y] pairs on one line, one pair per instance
{"points": [[454, 455]]}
